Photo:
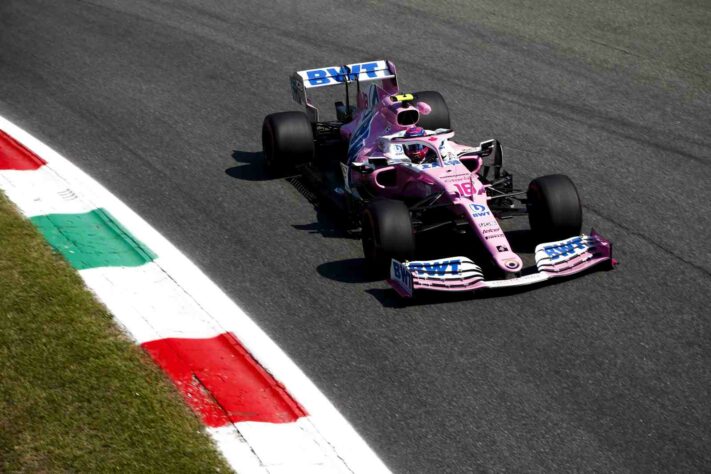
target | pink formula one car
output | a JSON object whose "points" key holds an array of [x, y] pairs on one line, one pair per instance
{"points": [[390, 163]]}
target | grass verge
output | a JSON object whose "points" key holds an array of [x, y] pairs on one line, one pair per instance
{"points": [[75, 394]]}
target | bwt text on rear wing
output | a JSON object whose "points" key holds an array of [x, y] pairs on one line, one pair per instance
{"points": [[331, 76]]}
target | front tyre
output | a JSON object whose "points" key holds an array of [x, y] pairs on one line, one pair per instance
{"points": [[386, 234], [287, 141], [554, 209]]}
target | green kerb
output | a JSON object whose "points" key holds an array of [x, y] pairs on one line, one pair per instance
{"points": [[91, 240]]}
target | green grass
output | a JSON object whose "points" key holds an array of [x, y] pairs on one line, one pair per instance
{"points": [[75, 393]]}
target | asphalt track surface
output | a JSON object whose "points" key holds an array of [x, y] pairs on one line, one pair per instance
{"points": [[162, 101]]}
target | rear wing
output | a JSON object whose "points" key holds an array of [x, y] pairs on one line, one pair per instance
{"points": [[331, 76]]}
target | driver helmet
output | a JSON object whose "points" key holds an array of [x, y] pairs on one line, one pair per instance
{"points": [[415, 151]]}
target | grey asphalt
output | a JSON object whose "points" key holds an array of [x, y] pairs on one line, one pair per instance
{"points": [[162, 101]]}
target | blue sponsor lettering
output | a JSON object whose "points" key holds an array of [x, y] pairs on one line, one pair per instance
{"points": [[369, 69], [436, 268], [401, 274], [322, 77], [564, 249], [317, 77], [478, 210], [340, 74]]}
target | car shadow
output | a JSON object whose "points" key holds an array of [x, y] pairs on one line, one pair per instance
{"points": [[250, 166], [328, 223], [390, 299], [351, 270], [522, 241]]}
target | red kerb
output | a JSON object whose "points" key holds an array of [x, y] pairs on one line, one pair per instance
{"points": [[14, 156], [222, 382]]}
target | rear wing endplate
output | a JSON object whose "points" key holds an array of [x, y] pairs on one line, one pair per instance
{"points": [[331, 76]]}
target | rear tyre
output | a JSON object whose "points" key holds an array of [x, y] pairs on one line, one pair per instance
{"points": [[287, 141], [439, 117], [386, 234], [554, 209]]}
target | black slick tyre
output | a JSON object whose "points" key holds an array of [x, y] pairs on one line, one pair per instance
{"points": [[386, 234], [439, 117], [287, 141], [554, 209]]}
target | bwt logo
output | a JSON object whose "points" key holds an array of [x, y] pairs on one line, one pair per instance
{"points": [[435, 268], [565, 249], [478, 210], [401, 274], [321, 77]]}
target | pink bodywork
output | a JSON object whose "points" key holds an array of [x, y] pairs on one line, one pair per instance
{"points": [[383, 161], [375, 119]]}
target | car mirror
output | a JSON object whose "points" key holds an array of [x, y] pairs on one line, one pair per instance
{"points": [[486, 148]]}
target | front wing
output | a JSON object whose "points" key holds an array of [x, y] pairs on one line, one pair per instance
{"points": [[553, 260]]}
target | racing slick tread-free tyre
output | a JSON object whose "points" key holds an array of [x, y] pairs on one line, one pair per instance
{"points": [[554, 209], [386, 234], [439, 117], [287, 141]]}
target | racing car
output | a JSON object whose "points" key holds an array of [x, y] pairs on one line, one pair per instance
{"points": [[390, 163]]}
